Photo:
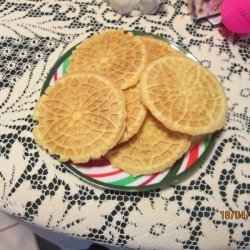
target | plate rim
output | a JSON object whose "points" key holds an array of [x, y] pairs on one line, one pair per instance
{"points": [[165, 182], [159, 185]]}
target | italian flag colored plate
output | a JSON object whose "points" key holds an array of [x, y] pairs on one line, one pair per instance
{"points": [[101, 173]]}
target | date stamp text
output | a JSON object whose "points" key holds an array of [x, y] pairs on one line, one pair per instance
{"points": [[230, 215]]}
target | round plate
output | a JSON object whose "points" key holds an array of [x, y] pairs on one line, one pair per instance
{"points": [[101, 173]]}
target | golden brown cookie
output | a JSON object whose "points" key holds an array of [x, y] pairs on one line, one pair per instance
{"points": [[80, 118], [184, 95], [118, 56]]}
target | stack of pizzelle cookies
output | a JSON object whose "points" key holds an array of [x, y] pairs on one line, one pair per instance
{"points": [[134, 99]]}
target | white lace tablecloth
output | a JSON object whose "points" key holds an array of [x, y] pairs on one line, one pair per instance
{"points": [[38, 189]]}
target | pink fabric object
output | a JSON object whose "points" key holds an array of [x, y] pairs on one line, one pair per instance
{"points": [[236, 15]]}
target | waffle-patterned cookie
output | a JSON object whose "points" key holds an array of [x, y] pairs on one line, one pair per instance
{"points": [[80, 118]]}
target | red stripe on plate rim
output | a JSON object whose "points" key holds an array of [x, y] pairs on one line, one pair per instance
{"points": [[149, 180], [193, 155], [55, 75], [105, 174]]}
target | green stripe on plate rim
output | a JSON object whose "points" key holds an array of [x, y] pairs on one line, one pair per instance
{"points": [[66, 65], [171, 177], [206, 142], [125, 181]]}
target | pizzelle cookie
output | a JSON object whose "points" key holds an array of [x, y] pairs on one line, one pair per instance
{"points": [[136, 112], [118, 56], [80, 118], [152, 150], [184, 95], [156, 48]]}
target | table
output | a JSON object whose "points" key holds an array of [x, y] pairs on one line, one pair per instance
{"points": [[35, 187]]}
